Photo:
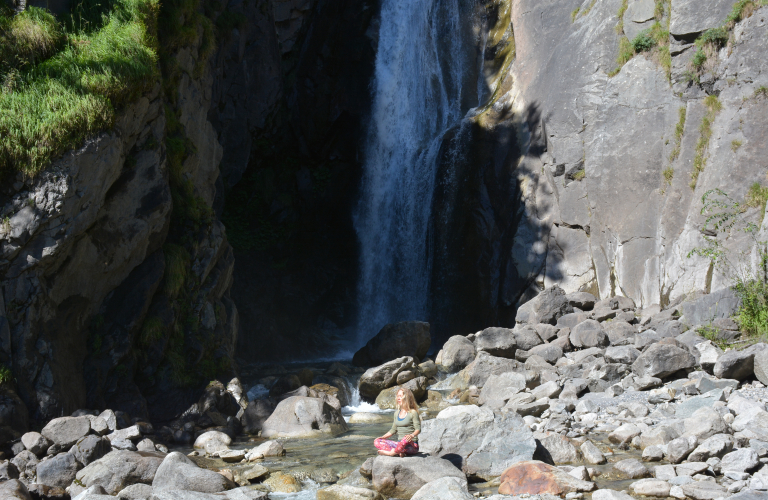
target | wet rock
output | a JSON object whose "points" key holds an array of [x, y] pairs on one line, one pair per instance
{"points": [[346, 492], [498, 342], [378, 378], [651, 488], [499, 388], [177, 472], [35, 443], [445, 488], [482, 443], [537, 478], [592, 453], [407, 338], [743, 460], [118, 469], [738, 364], [66, 431], [587, 334], [704, 490], [303, 417], [403, 477], [283, 483], [457, 353], [632, 468], [213, 441], [232, 456], [661, 360], [546, 307], [14, 490]]}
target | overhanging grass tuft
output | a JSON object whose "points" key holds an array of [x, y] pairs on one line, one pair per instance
{"points": [[55, 105]]}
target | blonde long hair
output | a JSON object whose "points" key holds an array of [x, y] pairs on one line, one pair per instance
{"points": [[409, 401]]}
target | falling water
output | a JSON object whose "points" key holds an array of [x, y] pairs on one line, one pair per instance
{"points": [[417, 97]]}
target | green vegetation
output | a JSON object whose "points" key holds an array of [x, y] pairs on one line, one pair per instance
{"points": [[742, 10], [643, 42], [761, 91], [654, 40], [152, 331], [61, 84], [757, 196], [668, 173], [579, 175], [679, 129], [735, 145], [705, 133], [724, 215], [711, 333], [620, 14], [5, 375], [575, 14]]}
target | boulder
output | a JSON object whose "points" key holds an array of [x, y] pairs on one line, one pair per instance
{"points": [[722, 303], [66, 431], [58, 471], [610, 495], [738, 364], [742, 460], [498, 342], [622, 354], [570, 320], [537, 478], [679, 449], [347, 492], [91, 448], [661, 360], [445, 488], [177, 472], [395, 340], [549, 352], [266, 449], [484, 365], [482, 443], [546, 307], [457, 353], [378, 378], [217, 398], [118, 469], [284, 384], [35, 442], [560, 449], [651, 488], [760, 366], [255, 415], [582, 300], [592, 453], [386, 400], [705, 422], [138, 491], [213, 441], [624, 433], [632, 468], [403, 477], [303, 417], [704, 490], [714, 446], [279, 482], [14, 490], [499, 388], [587, 334], [620, 333]]}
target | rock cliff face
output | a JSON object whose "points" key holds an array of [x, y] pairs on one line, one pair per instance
{"points": [[579, 178]]}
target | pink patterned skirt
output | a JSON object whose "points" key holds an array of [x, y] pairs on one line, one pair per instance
{"points": [[399, 447]]}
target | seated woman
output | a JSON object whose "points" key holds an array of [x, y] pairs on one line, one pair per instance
{"points": [[407, 426]]}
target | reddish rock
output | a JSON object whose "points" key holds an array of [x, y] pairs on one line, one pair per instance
{"points": [[536, 478]]}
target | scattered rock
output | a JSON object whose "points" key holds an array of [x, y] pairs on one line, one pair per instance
{"points": [[118, 469], [704, 490], [738, 364], [302, 417], [381, 377], [546, 307], [346, 492], [498, 342], [58, 471], [403, 477], [662, 360], [14, 490], [587, 334], [743, 460], [457, 353], [66, 431], [632, 468], [537, 478], [177, 472], [651, 488], [592, 453], [35, 442]]}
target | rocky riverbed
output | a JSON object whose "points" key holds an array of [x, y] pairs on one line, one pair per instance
{"points": [[582, 399]]}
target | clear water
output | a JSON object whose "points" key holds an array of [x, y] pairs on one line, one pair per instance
{"points": [[417, 96]]}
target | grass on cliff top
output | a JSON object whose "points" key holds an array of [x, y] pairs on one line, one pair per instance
{"points": [[62, 81]]}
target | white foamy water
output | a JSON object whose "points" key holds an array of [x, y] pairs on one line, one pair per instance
{"points": [[357, 405], [444, 384], [308, 493], [417, 97]]}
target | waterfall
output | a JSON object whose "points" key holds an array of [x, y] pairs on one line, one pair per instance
{"points": [[417, 95]]}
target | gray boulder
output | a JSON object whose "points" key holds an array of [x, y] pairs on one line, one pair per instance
{"points": [[738, 364], [255, 415], [760, 366], [445, 488], [14, 490], [66, 431], [560, 449], [381, 377], [304, 417], [587, 334], [714, 446], [620, 333], [526, 338], [58, 471], [661, 360], [570, 320], [457, 353], [679, 449], [722, 303], [499, 388], [583, 300], [709, 353], [403, 477], [546, 307], [705, 422], [549, 352], [177, 472], [347, 492], [484, 365], [90, 449], [35, 442], [395, 340], [138, 491], [498, 342], [622, 354], [482, 443], [742, 460], [118, 469]]}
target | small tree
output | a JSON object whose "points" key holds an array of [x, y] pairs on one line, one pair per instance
{"points": [[747, 270]]}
